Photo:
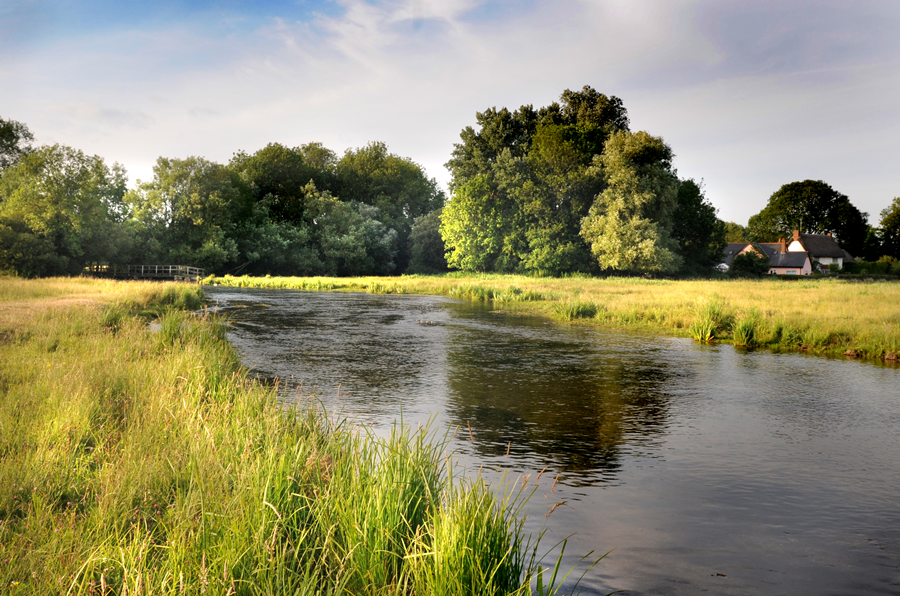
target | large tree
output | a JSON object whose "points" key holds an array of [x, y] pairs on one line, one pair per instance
{"points": [[188, 213], [60, 210], [397, 186], [629, 227], [890, 229], [522, 183], [15, 143], [698, 230], [810, 206], [278, 176]]}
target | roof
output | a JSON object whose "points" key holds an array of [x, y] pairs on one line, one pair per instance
{"points": [[772, 250], [821, 245], [789, 259], [732, 250]]}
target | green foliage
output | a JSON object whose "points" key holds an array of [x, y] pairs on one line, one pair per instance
{"points": [[749, 264], [426, 245], [890, 229], [527, 176], [811, 206], [278, 176], [629, 225], [396, 186], [187, 214], [699, 232], [59, 211], [15, 143], [735, 232]]}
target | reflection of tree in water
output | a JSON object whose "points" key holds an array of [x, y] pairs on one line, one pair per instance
{"points": [[575, 405]]}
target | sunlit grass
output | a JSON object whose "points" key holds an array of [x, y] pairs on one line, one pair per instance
{"points": [[819, 315], [139, 461]]}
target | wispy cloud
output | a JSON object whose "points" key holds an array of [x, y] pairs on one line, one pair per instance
{"points": [[750, 95]]}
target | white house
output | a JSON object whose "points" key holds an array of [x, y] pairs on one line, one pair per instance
{"points": [[821, 247]]}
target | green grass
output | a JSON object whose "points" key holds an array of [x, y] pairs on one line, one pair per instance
{"points": [[819, 315], [138, 461]]}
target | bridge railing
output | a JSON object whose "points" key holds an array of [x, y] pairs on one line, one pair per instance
{"points": [[146, 271]]}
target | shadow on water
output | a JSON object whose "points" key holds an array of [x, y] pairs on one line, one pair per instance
{"points": [[560, 399]]}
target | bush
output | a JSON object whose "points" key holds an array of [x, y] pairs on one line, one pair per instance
{"points": [[749, 264]]}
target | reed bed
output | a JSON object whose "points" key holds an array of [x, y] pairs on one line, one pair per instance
{"points": [[824, 316], [140, 459]]}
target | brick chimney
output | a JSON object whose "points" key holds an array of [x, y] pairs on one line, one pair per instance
{"points": [[796, 234], [783, 245]]}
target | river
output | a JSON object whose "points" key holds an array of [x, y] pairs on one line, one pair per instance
{"points": [[702, 468]]}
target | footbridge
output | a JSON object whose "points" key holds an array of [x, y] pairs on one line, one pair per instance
{"points": [[150, 272]]}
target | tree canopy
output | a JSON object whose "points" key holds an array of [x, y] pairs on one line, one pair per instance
{"points": [[15, 142], [890, 229], [60, 210], [523, 182], [813, 207], [543, 192], [629, 226]]}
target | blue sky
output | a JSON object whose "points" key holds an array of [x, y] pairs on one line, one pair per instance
{"points": [[750, 95]]}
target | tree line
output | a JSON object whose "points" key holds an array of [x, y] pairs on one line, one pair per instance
{"points": [[562, 189], [281, 210]]}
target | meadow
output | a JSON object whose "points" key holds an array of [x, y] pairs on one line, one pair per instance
{"points": [[856, 318], [137, 457]]}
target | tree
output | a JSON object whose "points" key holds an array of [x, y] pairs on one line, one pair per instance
{"points": [[735, 232], [811, 206], [396, 186], [278, 175], [890, 229], [426, 245], [60, 210], [529, 173], [629, 225], [476, 226], [698, 230], [15, 143], [188, 213], [349, 237]]}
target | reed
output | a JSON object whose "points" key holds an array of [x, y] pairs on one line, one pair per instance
{"points": [[140, 459], [576, 309], [821, 315], [746, 333]]}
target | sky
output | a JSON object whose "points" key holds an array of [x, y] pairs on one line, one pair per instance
{"points": [[750, 95]]}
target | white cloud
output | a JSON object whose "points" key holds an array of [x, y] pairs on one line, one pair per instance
{"points": [[750, 97]]}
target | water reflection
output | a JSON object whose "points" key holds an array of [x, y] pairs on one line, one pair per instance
{"points": [[560, 398]]}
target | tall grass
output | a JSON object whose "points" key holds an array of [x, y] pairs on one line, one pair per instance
{"points": [[135, 461]]}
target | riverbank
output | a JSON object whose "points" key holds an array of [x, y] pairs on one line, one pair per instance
{"points": [[858, 319], [140, 459]]}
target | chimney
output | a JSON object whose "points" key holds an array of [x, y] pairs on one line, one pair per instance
{"points": [[829, 234], [796, 234], [783, 245]]}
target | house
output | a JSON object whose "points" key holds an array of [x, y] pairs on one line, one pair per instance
{"points": [[781, 261], [797, 257], [821, 248]]}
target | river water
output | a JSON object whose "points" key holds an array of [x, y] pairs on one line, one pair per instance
{"points": [[702, 468]]}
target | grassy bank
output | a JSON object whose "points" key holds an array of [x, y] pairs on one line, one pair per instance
{"points": [[825, 316], [138, 461]]}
